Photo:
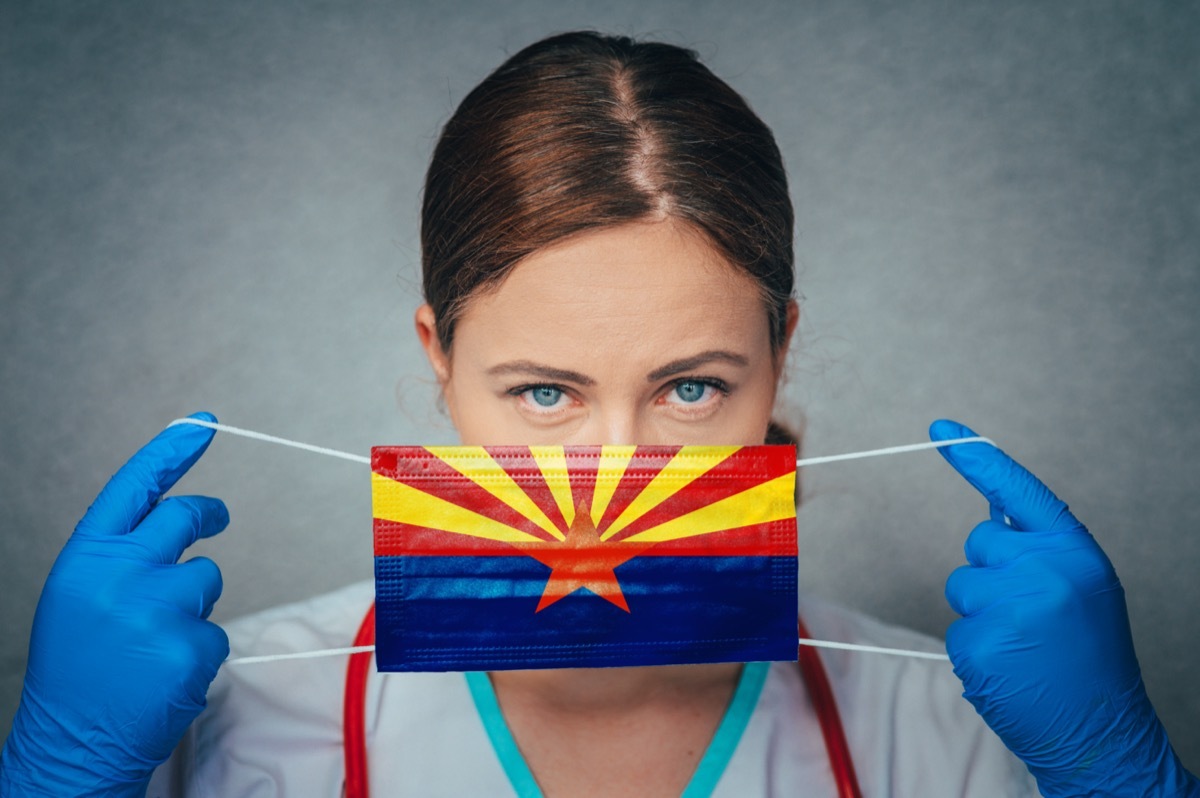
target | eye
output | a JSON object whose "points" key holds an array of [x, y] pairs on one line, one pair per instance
{"points": [[691, 391], [694, 393], [541, 399], [545, 395]]}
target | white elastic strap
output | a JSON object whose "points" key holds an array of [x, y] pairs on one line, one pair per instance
{"points": [[357, 458], [900, 652], [324, 652], [333, 652], [912, 447], [330, 652], [258, 436]]}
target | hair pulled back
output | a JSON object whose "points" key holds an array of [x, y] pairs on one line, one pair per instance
{"points": [[582, 130]]}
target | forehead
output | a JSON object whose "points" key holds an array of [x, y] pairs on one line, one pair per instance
{"points": [[639, 294]]}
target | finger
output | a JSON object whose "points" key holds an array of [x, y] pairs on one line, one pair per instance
{"points": [[971, 644], [212, 647], [970, 590], [145, 477], [958, 640], [213, 644], [191, 587], [197, 648], [995, 543], [176, 523], [1008, 486]]}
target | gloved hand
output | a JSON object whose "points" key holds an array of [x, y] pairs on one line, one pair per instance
{"points": [[121, 655], [1043, 648]]}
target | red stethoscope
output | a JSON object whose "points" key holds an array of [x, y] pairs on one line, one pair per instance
{"points": [[355, 704]]}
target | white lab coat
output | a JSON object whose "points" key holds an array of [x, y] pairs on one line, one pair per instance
{"points": [[275, 729]]}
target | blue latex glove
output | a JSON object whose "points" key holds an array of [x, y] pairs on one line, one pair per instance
{"points": [[121, 655], [1043, 648]]}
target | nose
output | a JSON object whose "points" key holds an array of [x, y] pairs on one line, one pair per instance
{"points": [[617, 426]]}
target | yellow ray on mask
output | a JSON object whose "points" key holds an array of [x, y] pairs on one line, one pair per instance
{"points": [[687, 464], [474, 463], [613, 462], [395, 501], [552, 460], [765, 502]]}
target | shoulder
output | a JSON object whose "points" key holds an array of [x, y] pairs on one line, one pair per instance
{"points": [[909, 729]]}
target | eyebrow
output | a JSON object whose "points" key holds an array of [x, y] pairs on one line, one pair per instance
{"points": [[566, 375], [548, 372], [695, 361]]}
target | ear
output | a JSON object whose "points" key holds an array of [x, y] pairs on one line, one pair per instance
{"points": [[793, 319], [426, 324]]}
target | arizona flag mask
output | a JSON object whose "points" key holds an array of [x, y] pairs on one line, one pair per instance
{"points": [[503, 557]]}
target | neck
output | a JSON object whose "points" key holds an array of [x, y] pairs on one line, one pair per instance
{"points": [[603, 690]]}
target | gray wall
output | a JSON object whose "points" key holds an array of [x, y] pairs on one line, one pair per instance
{"points": [[213, 206]]}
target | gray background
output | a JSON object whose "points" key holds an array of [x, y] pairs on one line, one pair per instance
{"points": [[213, 206]]}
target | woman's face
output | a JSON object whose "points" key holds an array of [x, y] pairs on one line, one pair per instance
{"points": [[640, 333]]}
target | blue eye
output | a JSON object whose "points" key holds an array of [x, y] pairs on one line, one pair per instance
{"points": [[691, 391], [546, 395]]}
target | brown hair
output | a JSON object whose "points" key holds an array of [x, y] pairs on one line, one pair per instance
{"points": [[582, 130]]}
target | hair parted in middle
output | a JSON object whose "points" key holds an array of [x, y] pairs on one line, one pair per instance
{"points": [[583, 130]]}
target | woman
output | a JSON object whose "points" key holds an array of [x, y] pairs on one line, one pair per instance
{"points": [[607, 253]]}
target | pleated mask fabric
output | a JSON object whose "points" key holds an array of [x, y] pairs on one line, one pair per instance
{"points": [[503, 557]]}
